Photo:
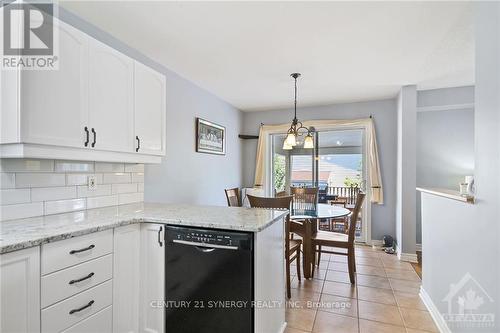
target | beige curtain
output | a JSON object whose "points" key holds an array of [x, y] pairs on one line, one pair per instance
{"points": [[377, 195]]}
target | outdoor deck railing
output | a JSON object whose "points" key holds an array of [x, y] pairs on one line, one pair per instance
{"points": [[348, 192]]}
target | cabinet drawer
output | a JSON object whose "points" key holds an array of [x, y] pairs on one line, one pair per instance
{"points": [[99, 322], [70, 281], [73, 251], [62, 315]]}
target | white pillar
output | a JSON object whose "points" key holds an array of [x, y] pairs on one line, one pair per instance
{"points": [[406, 211]]}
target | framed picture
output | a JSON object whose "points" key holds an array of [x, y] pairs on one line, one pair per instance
{"points": [[210, 137]]}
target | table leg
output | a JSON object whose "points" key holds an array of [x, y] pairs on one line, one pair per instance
{"points": [[307, 249]]}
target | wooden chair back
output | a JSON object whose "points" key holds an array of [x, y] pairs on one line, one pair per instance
{"points": [[354, 218], [304, 198], [233, 197]]}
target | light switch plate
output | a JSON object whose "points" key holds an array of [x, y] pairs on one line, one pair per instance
{"points": [[91, 183]]}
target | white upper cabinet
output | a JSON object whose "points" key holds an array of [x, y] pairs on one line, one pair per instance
{"points": [[99, 105], [149, 110], [54, 103], [111, 89]]}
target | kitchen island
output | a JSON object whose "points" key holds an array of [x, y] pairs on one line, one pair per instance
{"points": [[123, 248]]}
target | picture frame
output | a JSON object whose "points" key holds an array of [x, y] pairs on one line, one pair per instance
{"points": [[210, 137]]}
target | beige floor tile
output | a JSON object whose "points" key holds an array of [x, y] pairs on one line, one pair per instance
{"points": [[410, 301], [338, 258], [411, 287], [378, 295], [330, 322], [312, 285], [402, 274], [384, 313], [373, 281], [412, 330], [338, 266], [302, 319], [304, 295], [369, 262], [320, 273], [339, 305], [370, 270], [339, 289], [337, 276], [418, 319], [294, 330], [363, 254], [397, 265], [368, 326]]}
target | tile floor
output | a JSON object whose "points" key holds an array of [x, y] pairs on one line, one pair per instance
{"points": [[384, 298]]}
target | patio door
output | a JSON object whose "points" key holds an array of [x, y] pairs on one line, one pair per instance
{"points": [[337, 166]]}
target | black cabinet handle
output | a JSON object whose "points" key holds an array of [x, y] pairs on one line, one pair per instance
{"points": [[86, 129], [159, 237], [82, 279], [138, 143], [90, 247], [95, 134], [82, 308]]}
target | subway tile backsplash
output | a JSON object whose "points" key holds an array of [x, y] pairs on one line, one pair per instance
{"points": [[32, 187]]}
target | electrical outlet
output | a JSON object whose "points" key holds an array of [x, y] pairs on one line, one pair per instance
{"points": [[91, 183]]}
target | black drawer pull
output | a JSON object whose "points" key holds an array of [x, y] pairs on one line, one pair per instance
{"points": [[82, 308], [82, 279], [95, 134], [86, 129], [138, 143], [82, 250]]}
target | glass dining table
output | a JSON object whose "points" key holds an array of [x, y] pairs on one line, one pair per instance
{"points": [[310, 218]]}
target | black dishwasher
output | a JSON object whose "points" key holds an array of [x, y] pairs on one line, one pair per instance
{"points": [[208, 280]]}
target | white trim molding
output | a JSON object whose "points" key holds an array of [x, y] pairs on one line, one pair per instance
{"points": [[419, 247], [410, 257], [433, 310]]}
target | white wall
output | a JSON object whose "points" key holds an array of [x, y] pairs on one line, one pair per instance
{"points": [[406, 172], [464, 238], [384, 115], [184, 176]]}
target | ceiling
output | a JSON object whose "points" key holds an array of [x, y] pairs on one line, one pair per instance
{"points": [[243, 52]]}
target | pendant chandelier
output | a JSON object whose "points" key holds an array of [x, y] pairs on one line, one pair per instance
{"points": [[296, 129]]}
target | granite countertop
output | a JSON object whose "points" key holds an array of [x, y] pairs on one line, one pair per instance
{"points": [[24, 233]]}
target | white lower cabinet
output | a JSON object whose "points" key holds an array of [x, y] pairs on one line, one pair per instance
{"points": [[108, 281], [99, 322], [152, 282], [126, 274], [20, 291]]}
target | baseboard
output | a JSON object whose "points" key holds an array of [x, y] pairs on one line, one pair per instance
{"points": [[419, 247], [433, 310], [410, 257], [376, 242]]}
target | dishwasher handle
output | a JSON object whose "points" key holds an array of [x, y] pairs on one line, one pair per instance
{"points": [[207, 247]]}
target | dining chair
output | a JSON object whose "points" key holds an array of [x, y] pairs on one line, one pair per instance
{"points": [[340, 223], [340, 240], [292, 246], [304, 198], [233, 197]]}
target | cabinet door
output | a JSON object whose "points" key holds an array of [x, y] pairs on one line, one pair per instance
{"points": [[149, 110], [126, 272], [111, 90], [20, 290], [152, 284], [54, 105]]}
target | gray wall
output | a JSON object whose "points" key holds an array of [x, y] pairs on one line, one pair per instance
{"points": [[445, 150], [184, 176], [384, 113]]}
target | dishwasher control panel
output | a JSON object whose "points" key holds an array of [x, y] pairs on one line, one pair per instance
{"points": [[210, 237]]}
